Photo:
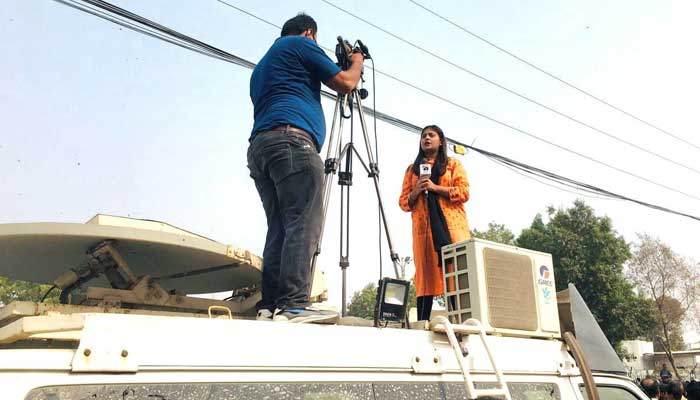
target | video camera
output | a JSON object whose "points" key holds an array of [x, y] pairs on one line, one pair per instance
{"points": [[344, 49]]}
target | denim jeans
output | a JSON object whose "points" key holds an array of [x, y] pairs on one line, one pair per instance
{"points": [[288, 174]]}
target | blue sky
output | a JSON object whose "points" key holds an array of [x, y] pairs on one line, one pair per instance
{"points": [[99, 119]]}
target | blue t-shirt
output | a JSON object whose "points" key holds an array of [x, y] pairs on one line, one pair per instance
{"points": [[286, 87]]}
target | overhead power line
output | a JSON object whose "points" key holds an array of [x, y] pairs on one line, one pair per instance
{"points": [[551, 75], [143, 25], [494, 120], [541, 181], [513, 92], [538, 138], [534, 171]]}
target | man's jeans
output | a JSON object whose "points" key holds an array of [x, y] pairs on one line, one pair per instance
{"points": [[288, 174]]}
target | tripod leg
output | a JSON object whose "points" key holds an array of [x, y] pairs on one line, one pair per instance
{"points": [[344, 262], [331, 167], [374, 173]]}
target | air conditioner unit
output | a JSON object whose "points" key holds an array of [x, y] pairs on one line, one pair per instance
{"points": [[509, 289]]}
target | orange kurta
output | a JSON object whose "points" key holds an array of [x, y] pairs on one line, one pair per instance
{"points": [[428, 278]]}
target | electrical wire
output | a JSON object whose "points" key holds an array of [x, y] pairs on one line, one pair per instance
{"points": [[204, 48], [541, 182], [567, 181], [511, 91], [563, 186], [509, 126], [47, 293], [579, 191], [533, 136], [331, 52], [210, 51], [180, 40], [551, 75], [559, 179]]}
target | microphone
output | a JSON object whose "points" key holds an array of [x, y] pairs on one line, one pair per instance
{"points": [[365, 49], [425, 170]]}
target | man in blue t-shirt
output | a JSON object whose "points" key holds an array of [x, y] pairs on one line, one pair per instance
{"points": [[288, 133], [665, 374]]}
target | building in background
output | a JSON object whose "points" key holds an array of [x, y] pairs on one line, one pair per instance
{"points": [[640, 362], [644, 361]]}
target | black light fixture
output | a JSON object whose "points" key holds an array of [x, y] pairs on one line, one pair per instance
{"points": [[392, 300]]}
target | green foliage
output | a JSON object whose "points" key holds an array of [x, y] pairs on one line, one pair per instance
{"points": [[587, 252], [495, 233], [12, 290], [623, 353], [362, 302]]}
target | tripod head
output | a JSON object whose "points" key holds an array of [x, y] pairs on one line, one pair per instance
{"points": [[344, 49]]}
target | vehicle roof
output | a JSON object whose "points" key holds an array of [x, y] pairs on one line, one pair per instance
{"points": [[167, 342]]}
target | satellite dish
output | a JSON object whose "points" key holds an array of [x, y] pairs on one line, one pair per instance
{"points": [[177, 259]]}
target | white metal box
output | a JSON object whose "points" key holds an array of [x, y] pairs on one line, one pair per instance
{"points": [[509, 289]]}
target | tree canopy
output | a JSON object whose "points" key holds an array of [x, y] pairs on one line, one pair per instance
{"points": [[588, 252], [495, 233], [669, 329], [671, 282]]}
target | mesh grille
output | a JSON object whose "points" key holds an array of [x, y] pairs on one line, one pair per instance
{"points": [[510, 289]]}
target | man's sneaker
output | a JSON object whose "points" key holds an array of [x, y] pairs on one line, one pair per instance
{"points": [[264, 315], [305, 315]]}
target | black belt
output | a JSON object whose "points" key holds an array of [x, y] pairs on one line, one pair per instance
{"points": [[295, 131]]}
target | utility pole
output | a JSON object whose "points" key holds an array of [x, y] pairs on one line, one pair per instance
{"points": [[403, 262]]}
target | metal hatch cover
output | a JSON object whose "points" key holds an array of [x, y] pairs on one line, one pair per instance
{"points": [[575, 316], [177, 259]]}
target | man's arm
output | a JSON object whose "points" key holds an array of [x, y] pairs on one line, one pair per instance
{"points": [[345, 81]]}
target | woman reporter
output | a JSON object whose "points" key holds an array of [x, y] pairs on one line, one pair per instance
{"points": [[436, 204]]}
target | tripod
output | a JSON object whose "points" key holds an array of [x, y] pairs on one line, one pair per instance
{"points": [[337, 152]]}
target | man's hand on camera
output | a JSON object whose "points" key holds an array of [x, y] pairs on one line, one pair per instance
{"points": [[346, 80], [357, 57]]}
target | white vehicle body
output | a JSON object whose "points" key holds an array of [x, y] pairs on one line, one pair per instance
{"points": [[71, 356], [141, 341]]}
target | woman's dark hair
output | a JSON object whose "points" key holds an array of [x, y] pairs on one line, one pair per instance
{"points": [[440, 160], [299, 25]]}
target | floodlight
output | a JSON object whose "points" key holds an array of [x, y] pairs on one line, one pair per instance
{"points": [[392, 300]]}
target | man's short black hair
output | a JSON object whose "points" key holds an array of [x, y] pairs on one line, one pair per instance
{"points": [[674, 388], [692, 391], [650, 386], [299, 25]]}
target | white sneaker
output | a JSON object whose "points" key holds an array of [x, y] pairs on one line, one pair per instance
{"points": [[306, 315], [264, 315]]}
